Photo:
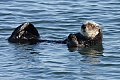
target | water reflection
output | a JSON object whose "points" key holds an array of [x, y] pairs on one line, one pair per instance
{"points": [[90, 55], [25, 53], [93, 50]]}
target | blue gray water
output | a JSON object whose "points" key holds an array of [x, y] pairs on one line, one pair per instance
{"points": [[55, 19]]}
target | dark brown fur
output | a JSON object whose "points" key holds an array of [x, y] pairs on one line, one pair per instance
{"points": [[28, 34], [83, 41]]}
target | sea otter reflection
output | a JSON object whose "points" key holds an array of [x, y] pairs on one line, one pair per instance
{"points": [[96, 50]]}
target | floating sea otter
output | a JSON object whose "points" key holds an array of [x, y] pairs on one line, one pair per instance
{"points": [[91, 35]]}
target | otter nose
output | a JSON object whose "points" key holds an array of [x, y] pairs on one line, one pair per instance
{"points": [[83, 26]]}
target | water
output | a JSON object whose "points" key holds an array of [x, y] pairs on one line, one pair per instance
{"points": [[55, 19]]}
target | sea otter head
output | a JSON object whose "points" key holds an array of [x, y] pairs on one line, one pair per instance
{"points": [[24, 33], [90, 29]]}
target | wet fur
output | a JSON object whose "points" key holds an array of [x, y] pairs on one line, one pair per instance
{"points": [[24, 33], [83, 40], [27, 33]]}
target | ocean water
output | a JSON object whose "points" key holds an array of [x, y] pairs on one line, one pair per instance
{"points": [[55, 20]]}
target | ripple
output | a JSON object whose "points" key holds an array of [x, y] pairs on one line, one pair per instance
{"points": [[55, 20]]}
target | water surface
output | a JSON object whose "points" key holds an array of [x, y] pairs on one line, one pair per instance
{"points": [[55, 19]]}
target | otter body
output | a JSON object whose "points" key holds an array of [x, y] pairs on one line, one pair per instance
{"points": [[91, 34]]}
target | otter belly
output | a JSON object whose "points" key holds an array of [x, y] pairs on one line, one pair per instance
{"points": [[78, 40]]}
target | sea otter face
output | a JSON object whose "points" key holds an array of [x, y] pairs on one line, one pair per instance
{"points": [[90, 29]]}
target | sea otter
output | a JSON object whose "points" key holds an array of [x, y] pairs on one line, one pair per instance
{"points": [[91, 34]]}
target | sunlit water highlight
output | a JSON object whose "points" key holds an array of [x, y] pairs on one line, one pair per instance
{"points": [[55, 19]]}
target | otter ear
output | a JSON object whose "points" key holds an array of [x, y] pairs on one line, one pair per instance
{"points": [[83, 26], [100, 30]]}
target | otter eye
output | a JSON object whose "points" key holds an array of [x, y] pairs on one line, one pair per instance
{"points": [[83, 26]]}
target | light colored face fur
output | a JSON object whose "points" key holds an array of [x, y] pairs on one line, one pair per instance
{"points": [[90, 29]]}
